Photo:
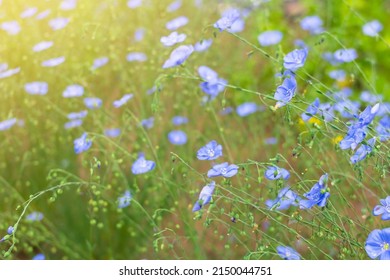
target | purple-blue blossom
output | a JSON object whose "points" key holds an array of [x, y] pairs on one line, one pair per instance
{"points": [[142, 165], [136, 56], [318, 195], [210, 151], [123, 100], [173, 39], [286, 198], [82, 144], [179, 120], [44, 45], [77, 115], [345, 55], [228, 18], [148, 123], [34, 216], [288, 253], [36, 88], [313, 24], [275, 173], [11, 27], [93, 102], [177, 137], [204, 196], [372, 28], [212, 84], [203, 45], [285, 92], [124, 200], [7, 124], [174, 6], [58, 23], [112, 132], [99, 62], [176, 23], [311, 110], [224, 169], [73, 123], [132, 4], [178, 56], [269, 38], [53, 62], [295, 59], [383, 128], [73, 91], [29, 12], [378, 244], [362, 152], [383, 209]]}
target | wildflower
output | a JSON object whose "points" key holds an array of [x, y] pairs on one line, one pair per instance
{"points": [[179, 120], [148, 123], [345, 55], [295, 59], [211, 151], [11, 27], [82, 144], [73, 91], [36, 88], [285, 92], [176, 23], [318, 195], [124, 200], [286, 198], [67, 5], [226, 111], [77, 115], [383, 128], [311, 110], [288, 253], [10, 230], [368, 97], [132, 4], [7, 124], [174, 6], [372, 28], [93, 102], [269, 38], [383, 209], [112, 132], [212, 84], [228, 19], [29, 12], [378, 244], [338, 75], [173, 39], [271, 141], [246, 109], [34, 217], [73, 123], [178, 56], [313, 24], [274, 173], [39, 257], [123, 100], [326, 110], [204, 196], [44, 45], [139, 34], [223, 169], [53, 62], [203, 45], [43, 14], [100, 62], [177, 137], [136, 56], [363, 151], [141, 165], [58, 23], [9, 73]]}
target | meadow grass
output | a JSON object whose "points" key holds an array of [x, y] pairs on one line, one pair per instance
{"points": [[78, 193]]}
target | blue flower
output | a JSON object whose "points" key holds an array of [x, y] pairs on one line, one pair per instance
{"points": [[378, 244], [4, 73], [123, 100], [29, 12], [39, 257], [10, 230], [173, 39], [204, 196], [326, 110], [73, 123], [203, 45], [177, 137], [345, 55], [368, 97], [44, 45], [383, 209], [93, 102], [211, 151], [228, 19], [212, 84], [179, 120], [136, 56], [58, 23], [246, 109], [36, 88], [274, 173], [11, 27], [112, 132], [178, 56], [383, 128], [269, 38], [285, 92], [124, 200], [295, 59], [77, 115], [141, 165], [176, 23], [73, 91], [132, 4], [372, 28], [82, 144], [286, 198], [311, 110], [271, 141], [363, 151], [174, 6], [100, 62], [313, 24], [53, 62], [67, 5], [139, 34], [7, 124], [318, 195], [288, 253], [223, 169], [34, 217], [338, 75], [148, 123]]}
